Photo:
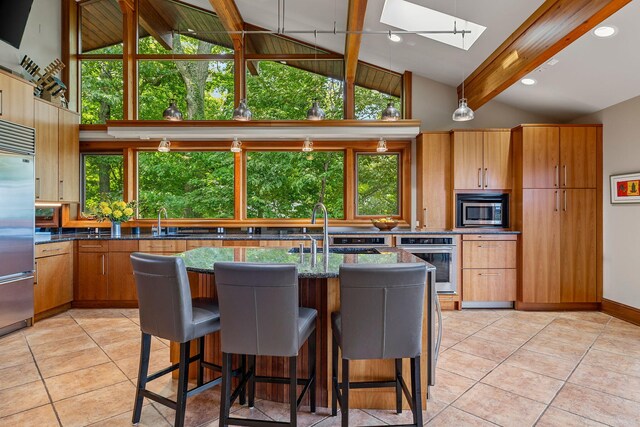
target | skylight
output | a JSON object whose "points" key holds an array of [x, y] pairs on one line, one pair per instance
{"points": [[412, 17]]}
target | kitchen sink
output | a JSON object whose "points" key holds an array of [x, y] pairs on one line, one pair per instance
{"points": [[370, 251]]}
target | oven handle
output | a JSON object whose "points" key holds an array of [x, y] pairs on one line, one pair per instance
{"points": [[428, 249]]}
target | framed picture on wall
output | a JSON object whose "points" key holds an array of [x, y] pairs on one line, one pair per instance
{"points": [[625, 188]]}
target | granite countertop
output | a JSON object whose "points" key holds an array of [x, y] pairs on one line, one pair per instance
{"points": [[46, 238], [201, 260]]}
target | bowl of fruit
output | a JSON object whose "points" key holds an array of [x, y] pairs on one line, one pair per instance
{"points": [[385, 224]]}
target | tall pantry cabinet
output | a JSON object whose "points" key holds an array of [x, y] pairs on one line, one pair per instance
{"points": [[558, 206]]}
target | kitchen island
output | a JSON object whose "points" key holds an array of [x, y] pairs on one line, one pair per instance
{"points": [[319, 289]]}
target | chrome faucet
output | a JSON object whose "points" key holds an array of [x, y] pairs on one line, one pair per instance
{"points": [[325, 228], [313, 250], [160, 219]]}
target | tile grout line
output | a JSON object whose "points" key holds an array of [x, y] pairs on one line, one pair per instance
{"points": [[44, 384]]}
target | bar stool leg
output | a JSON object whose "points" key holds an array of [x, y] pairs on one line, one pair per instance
{"points": [[344, 405], [416, 390], [334, 376], [293, 391], [225, 396], [243, 369], [143, 372], [200, 361], [312, 371], [252, 381], [398, 386], [183, 384]]}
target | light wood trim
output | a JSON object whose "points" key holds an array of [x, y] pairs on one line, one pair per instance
{"points": [[129, 181], [599, 219], [467, 158], [559, 306], [194, 244], [68, 156], [239, 185], [70, 46], [552, 27], [497, 173], [292, 56], [93, 245], [433, 181], [129, 63], [349, 185], [489, 285], [578, 246], [492, 254], [489, 237], [46, 168], [540, 160], [621, 311], [349, 100], [53, 248], [155, 24], [172, 246], [578, 151], [255, 123], [355, 23], [407, 95]]}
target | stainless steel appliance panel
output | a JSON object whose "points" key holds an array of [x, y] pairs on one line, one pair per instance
{"points": [[16, 299]]}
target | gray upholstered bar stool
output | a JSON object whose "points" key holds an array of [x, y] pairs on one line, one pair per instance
{"points": [[381, 310], [167, 311], [260, 316]]}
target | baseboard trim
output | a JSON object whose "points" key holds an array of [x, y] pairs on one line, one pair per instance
{"points": [[621, 311], [562, 306], [104, 304], [52, 312]]}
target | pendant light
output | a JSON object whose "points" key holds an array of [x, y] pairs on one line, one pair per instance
{"points": [[172, 113], [165, 146], [307, 145], [382, 146], [315, 112], [463, 113], [391, 113], [236, 146], [242, 112]]}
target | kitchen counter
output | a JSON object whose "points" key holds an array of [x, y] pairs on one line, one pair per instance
{"points": [[201, 260]]}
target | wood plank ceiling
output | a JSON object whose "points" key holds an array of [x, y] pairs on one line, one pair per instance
{"points": [[101, 26]]}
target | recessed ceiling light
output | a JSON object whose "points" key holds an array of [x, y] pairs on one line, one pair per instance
{"points": [[395, 38], [528, 81], [605, 31]]}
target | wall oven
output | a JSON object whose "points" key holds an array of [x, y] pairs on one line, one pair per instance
{"points": [[441, 252], [482, 210]]}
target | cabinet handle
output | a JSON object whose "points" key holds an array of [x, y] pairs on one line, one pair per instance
{"points": [[424, 218], [489, 274], [90, 246], [486, 246], [486, 178], [37, 188], [51, 250], [557, 202], [564, 167], [556, 178], [103, 264], [565, 200], [479, 177], [61, 189], [35, 282]]}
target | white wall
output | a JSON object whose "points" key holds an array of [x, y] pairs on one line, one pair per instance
{"points": [[621, 228], [434, 103], [41, 40]]}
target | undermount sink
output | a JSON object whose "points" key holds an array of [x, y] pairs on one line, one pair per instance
{"points": [[358, 251]]}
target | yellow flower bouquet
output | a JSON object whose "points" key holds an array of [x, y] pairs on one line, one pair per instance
{"points": [[114, 211]]}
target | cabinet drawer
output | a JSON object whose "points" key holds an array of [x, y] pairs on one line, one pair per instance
{"points": [[489, 237], [489, 285], [123, 245], [169, 246], [193, 244], [49, 249], [93, 246], [492, 254]]}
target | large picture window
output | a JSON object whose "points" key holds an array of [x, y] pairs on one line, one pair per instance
{"points": [[378, 184], [101, 91], [188, 184], [103, 179], [289, 184]]}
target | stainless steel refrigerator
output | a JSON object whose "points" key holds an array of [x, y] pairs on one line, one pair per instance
{"points": [[17, 196]]}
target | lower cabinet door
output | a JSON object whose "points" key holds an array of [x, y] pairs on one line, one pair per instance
{"points": [[122, 282], [93, 277], [53, 284], [489, 284]]}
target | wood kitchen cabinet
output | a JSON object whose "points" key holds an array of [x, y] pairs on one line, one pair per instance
{"points": [[482, 160], [57, 170], [433, 162], [53, 281], [16, 100], [122, 282], [489, 264]]}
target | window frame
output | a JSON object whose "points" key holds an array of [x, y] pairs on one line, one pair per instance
{"points": [[398, 155], [83, 171]]}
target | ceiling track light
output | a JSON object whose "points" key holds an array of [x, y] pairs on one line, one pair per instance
{"points": [[164, 146], [315, 112], [172, 113], [307, 145], [382, 146], [242, 112], [236, 146], [391, 113]]}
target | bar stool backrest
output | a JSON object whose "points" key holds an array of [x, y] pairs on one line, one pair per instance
{"points": [[258, 308], [164, 296], [381, 310]]}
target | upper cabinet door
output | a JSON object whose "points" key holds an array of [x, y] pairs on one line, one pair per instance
{"points": [[434, 180], [16, 100], [468, 167], [69, 157], [578, 157], [46, 170], [540, 157], [497, 160]]}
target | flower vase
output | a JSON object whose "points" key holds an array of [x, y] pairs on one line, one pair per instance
{"points": [[116, 229]]}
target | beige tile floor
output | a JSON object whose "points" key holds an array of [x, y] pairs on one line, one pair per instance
{"points": [[496, 367]]}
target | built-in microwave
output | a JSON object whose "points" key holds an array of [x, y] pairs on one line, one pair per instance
{"points": [[482, 210]]}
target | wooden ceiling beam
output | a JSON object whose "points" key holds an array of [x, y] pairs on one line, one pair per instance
{"points": [[552, 27], [229, 15], [154, 24], [355, 22]]}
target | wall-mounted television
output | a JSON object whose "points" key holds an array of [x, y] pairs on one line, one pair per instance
{"points": [[13, 19]]}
